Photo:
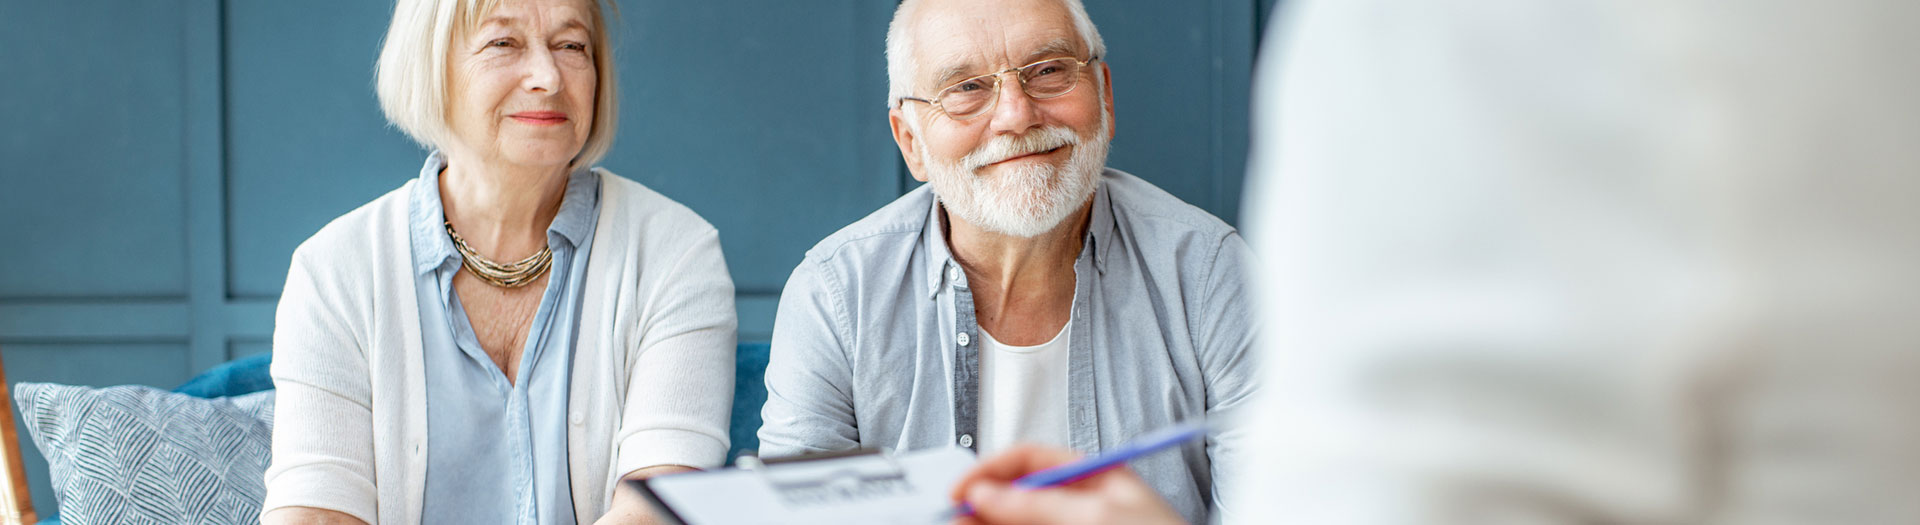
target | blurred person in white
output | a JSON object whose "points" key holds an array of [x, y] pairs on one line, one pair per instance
{"points": [[1576, 262]]}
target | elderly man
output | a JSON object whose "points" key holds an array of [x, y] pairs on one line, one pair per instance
{"points": [[1028, 294]]}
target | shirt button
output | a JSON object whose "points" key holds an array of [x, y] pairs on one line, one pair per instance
{"points": [[577, 418], [953, 274], [966, 440], [964, 338]]}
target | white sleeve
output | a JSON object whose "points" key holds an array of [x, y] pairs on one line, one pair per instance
{"points": [[680, 390], [323, 418]]}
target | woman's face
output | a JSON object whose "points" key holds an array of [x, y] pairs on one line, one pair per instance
{"points": [[521, 84]]}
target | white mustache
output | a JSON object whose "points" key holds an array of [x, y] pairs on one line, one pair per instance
{"points": [[1007, 147]]}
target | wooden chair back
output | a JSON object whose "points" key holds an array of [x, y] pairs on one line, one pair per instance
{"points": [[16, 504]]}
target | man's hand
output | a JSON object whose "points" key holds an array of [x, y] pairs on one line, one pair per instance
{"points": [[1116, 496], [629, 506]]}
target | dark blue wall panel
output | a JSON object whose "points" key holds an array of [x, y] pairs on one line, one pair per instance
{"points": [[90, 118], [305, 138], [766, 116], [1180, 86]]}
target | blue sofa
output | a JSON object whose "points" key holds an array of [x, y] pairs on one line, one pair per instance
{"points": [[249, 374]]}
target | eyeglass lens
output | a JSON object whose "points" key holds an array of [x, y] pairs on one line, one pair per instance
{"points": [[1047, 79]]}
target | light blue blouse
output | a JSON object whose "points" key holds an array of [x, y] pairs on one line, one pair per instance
{"points": [[497, 450]]}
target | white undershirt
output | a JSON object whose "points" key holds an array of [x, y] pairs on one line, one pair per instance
{"points": [[1023, 393]]}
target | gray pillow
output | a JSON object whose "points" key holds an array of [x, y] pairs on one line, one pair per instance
{"points": [[134, 454]]}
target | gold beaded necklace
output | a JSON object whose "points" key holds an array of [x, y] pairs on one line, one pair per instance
{"points": [[510, 275]]}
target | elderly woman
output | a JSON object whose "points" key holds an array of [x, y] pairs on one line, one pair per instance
{"points": [[511, 333]]}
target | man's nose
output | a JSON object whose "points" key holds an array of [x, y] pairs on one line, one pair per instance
{"points": [[1014, 112]]}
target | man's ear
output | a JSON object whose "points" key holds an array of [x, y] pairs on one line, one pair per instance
{"points": [[903, 136], [1106, 95]]}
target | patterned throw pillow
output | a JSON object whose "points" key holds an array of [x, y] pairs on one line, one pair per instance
{"points": [[134, 454]]}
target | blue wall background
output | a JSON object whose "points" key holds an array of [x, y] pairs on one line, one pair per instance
{"points": [[159, 161]]}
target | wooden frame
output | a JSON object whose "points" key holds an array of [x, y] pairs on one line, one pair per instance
{"points": [[16, 502]]}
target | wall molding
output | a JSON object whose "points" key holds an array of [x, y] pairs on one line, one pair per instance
{"points": [[205, 138]]}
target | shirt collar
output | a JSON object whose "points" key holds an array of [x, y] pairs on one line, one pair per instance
{"points": [[943, 265], [432, 248], [577, 207], [1099, 239]]}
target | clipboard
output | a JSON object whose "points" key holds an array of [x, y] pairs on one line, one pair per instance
{"points": [[857, 486]]}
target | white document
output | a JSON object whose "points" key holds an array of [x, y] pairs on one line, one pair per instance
{"points": [[908, 489]]}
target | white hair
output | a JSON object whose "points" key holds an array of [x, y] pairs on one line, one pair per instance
{"points": [[411, 75], [901, 69]]}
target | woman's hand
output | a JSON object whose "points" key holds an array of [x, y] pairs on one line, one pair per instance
{"points": [[629, 506], [308, 516], [1116, 496]]}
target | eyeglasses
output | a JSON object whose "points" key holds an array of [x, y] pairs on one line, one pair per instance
{"points": [[975, 96]]}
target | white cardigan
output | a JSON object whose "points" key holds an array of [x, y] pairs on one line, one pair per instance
{"points": [[652, 376]]}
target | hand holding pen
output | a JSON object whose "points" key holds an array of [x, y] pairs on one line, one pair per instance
{"points": [[1058, 486]]}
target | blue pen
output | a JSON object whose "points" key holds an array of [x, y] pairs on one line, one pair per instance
{"points": [[1140, 446]]}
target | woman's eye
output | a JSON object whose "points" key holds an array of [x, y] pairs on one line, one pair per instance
{"points": [[500, 43], [574, 46]]}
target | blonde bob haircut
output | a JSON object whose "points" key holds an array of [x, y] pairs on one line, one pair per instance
{"points": [[411, 76]]}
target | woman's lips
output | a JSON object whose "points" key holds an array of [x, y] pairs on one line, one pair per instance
{"points": [[540, 118]]}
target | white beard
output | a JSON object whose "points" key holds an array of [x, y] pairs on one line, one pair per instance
{"points": [[1023, 201]]}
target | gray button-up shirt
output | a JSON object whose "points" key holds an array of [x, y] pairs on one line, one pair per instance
{"points": [[875, 343]]}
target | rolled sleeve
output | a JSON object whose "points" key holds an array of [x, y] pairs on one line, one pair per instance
{"points": [[680, 390], [323, 428], [1225, 336], [809, 396]]}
